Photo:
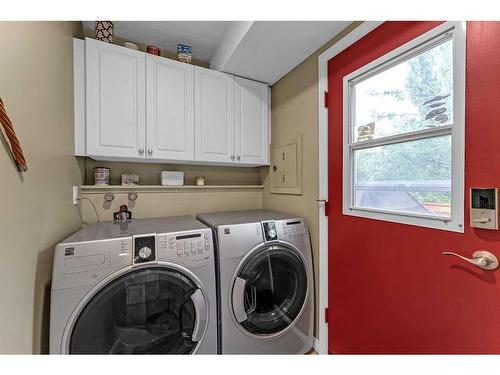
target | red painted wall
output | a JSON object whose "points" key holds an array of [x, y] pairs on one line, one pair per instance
{"points": [[390, 289]]}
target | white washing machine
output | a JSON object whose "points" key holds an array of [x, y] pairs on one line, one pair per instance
{"points": [[143, 287], [266, 299]]}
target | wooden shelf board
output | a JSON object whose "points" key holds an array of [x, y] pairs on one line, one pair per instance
{"points": [[160, 188]]}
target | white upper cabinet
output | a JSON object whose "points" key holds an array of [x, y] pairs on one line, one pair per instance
{"points": [[251, 122], [169, 109], [133, 106], [115, 101], [214, 116]]}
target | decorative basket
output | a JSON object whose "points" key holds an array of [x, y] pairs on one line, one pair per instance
{"points": [[184, 53], [104, 31]]}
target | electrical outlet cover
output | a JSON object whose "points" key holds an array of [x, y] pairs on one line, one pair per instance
{"points": [[76, 194]]}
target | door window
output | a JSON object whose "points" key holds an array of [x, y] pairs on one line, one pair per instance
{"points": [[403, 125], [275, 289], [147, 311]]}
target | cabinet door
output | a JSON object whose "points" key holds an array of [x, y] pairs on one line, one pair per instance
{"points": [[116, 99], [170, 109], [214, 116], [251, 122]]}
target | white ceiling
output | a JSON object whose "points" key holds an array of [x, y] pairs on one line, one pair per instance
{"points": [[260, 50], [270, 49]]}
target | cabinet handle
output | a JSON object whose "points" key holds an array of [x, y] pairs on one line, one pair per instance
{"points": [[150, 151], [141, 151], [232, 157], [238, 157]]}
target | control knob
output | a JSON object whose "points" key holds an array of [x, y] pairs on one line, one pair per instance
{"points": [[144, 252], [272, 233]]}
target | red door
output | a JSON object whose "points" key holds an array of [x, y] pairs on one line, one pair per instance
{"points": [[390, 288]]}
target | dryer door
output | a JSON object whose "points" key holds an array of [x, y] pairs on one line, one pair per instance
{"points": [[270, 289], [147, 311]]}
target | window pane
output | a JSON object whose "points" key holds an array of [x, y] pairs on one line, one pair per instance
{"points": [[410, 177], [413, 95]]}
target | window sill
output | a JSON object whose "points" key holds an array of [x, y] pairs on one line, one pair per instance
{"points": [[451, 225]]}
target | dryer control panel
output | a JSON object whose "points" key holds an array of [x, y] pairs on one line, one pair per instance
{"points": [[294, 228], [291, 230], [294, 231], [189, 248]]}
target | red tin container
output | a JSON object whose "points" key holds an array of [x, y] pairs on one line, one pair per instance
{"points": [[153, 50]]}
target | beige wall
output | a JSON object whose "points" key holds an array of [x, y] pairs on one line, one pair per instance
{"points": [[176, 202], [36, 85], [294, 111]]}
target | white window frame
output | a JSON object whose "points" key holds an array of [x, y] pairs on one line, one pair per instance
{"points": [[455, 223]]}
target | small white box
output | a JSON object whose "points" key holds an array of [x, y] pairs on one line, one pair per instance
{"points": [[172, 178]]}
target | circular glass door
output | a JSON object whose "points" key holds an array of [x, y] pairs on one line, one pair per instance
{"points": [[270, 290], [148, 311]]}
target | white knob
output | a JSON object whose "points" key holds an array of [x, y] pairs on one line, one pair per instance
{"points": [[144, 252], [108, 197], [272, 233]]}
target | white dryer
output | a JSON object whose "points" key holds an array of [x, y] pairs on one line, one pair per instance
{"points": [[266, 300], [143, 287]]}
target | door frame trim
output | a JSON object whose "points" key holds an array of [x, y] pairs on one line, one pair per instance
{"points": [[321, 342]]}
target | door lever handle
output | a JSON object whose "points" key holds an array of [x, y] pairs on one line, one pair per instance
{"points": [[482, 259], [482, 220]]}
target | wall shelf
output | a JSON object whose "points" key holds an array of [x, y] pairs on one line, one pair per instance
{"points": [[159, 188]]}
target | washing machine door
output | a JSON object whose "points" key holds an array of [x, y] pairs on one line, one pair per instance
{"points": [[270, 289], [146, 311]]}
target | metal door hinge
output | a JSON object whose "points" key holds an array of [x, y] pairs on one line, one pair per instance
{"points": [[326, 99], [327, 206]]}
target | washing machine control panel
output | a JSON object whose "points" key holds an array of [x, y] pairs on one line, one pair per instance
{"points": [[270, 230], [187, 247], [144, 248]]}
